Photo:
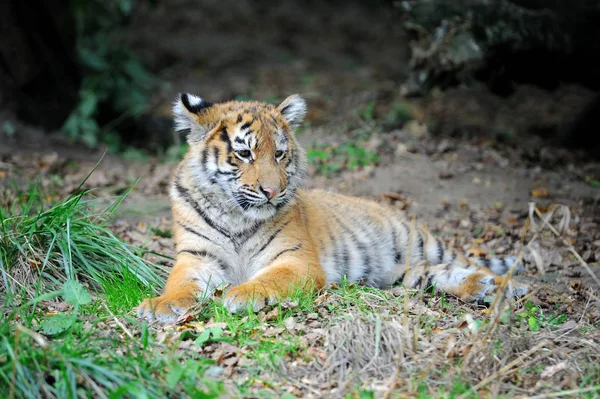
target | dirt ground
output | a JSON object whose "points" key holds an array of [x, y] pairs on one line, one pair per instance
{"points": [[463, 162]]}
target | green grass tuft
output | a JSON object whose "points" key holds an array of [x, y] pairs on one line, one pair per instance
{"points": [[44, 243]]}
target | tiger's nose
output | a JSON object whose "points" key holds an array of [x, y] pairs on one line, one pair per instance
{"points": [[269, 192]]}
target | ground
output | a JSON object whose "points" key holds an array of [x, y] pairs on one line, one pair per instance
{"points": [[459, 160]]}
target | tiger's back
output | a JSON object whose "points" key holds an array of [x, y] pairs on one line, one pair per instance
{"points": [[241, 218]]}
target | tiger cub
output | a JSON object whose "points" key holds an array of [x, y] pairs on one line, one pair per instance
{"points": [[242, 218]]}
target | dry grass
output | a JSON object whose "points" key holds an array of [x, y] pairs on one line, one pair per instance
{"points": [[418, 345]]}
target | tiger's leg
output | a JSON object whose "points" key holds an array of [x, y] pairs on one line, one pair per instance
{"points": [[275, 283], [193, 274], [471, 283]]}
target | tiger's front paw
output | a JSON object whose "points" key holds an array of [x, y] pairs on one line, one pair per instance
{"points": [[165, 308], [248, 295]]}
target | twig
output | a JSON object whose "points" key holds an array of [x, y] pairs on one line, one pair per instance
{"points": [[567, 392], [393, 383], [572, 250], [506, 369], [129, 334], [408, 258]]}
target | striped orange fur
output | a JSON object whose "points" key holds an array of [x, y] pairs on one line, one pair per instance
{"points": [[242, 218]]}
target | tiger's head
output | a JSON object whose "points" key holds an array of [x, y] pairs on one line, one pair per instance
{"points": [[244, 151]]}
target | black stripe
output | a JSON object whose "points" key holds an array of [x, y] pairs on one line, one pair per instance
{"points": [[239, 118], [244, 236], [334, 253], [225, 172], [216, 154], [224, 136], [440, 250], [428, 278], [397, 254], [362, 248], [230, 161], [290, 158], [239, 140], [484, 261], [271, 238], [295, 248], [417, 283], [184, 192], [285, 109], [420, 245], [505, 266], [205, 254], [246, 125], [205, 159], [193, 231], [345, 258], [453, 257], [401, 278]]}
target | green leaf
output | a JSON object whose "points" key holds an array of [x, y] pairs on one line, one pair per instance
{"points": [[92, 60], [87, 106], [216, 332], [75, 293], [57, 324], [174, 375], [9, 128], [202, 338], [125, 6], [131, 390], [71, 126], [533, 324]]}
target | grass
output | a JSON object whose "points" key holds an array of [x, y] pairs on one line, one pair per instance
{"points": [[93, 362], [75, 334], [44, 242], [61, 249]]}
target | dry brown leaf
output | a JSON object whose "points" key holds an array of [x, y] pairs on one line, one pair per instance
{"points": [[272, 315], [551, 370], [212, 324], [287, 304], [273, 332], [541, 192], [290, 324]]}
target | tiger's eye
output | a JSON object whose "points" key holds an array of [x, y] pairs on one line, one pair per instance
{"points": [[244, 153], [278, 153]]}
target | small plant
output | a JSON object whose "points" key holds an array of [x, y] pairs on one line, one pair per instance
{"points": [[398, 115], [73, 293], [333, 159], [535, 319], [114, 79], [368, 111]]}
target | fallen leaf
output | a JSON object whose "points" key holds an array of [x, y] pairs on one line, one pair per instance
{"points": [[197, 326], [273, 332], [212, 324], [541, 192], [287, 304], [551, 370], [290, 324]]}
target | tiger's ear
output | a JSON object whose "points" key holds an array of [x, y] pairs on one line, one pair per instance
{"points": [[187, 113], [293, 110]]}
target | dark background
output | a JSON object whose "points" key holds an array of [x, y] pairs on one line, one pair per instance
{"points": [[104, 73]]}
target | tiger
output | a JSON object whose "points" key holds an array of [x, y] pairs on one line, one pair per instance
{"points": [[243, 221]]}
